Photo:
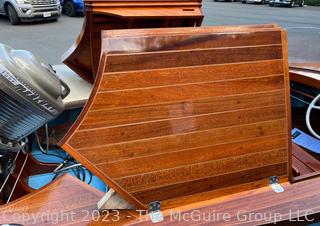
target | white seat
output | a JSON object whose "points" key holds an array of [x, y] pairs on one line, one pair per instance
{"points": [[80, 89]]}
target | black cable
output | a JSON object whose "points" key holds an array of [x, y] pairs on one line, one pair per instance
{"points": [[80, 173], [84, 174], [91, 177], [75, 171], [55, 176], [65, 163]]}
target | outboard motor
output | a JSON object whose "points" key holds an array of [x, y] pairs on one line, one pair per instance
{"points": [[30, 95]]}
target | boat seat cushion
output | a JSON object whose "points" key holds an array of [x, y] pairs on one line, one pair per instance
{"points": [[80, 89]]}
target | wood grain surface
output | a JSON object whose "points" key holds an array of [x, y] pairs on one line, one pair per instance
{"points": [[66, 201], [255, 207], [84, 55], [306, 73], [304, 163], [176, 113]]}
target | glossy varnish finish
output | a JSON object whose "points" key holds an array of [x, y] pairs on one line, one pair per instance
{"points": [[66, 201], [169, 118], [304, 164], [83, 57], [255, 207], [306, 73]]}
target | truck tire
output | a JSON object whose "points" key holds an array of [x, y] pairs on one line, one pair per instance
{"points": [[301, 4], [69, 9], [292, 3], [12, 14]]}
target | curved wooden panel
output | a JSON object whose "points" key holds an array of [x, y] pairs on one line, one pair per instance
{"points": [[306, 73], [83, 57], [65, 201], [175, 113]]}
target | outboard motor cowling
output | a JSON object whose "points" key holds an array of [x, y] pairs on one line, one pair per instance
{"points": [[30, 94]]}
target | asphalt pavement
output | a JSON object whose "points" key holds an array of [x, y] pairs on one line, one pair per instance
{"points": [[51, 40]]}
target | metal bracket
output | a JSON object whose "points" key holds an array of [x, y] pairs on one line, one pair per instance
{"points": [[155, 213], [274, 184]]}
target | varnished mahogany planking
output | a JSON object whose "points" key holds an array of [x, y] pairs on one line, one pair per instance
{"points": [[193, 74], [298, 200], [189, 188], [307, 159], [185, 58], [190, 156], [145, 130], [176, 142], [287, 98], [124, 154], [299, 167], [67, 201], [83, 57], [202, 170], [136, 114], [186, 92], [194, 41], [183, 31]]}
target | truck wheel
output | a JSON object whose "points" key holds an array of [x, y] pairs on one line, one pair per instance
{"points": [[13, 16], [271, 4], [69, 9], [243, 2], [301, 4], [292, 4]]}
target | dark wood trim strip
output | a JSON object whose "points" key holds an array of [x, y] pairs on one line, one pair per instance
{"points": [[211, 183], [167, 59], [200, 170], [288, 98], [122, 168]]}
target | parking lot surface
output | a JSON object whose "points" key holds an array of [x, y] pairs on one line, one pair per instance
{"points": [[51, 40], [48, 40]]}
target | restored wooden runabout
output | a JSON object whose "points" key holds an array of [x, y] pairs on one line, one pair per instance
{"points": [[182, 112], [83, 57], [177, 119]]}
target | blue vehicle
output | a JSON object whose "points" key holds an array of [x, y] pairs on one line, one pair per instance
{"points": [[72, 7]]}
